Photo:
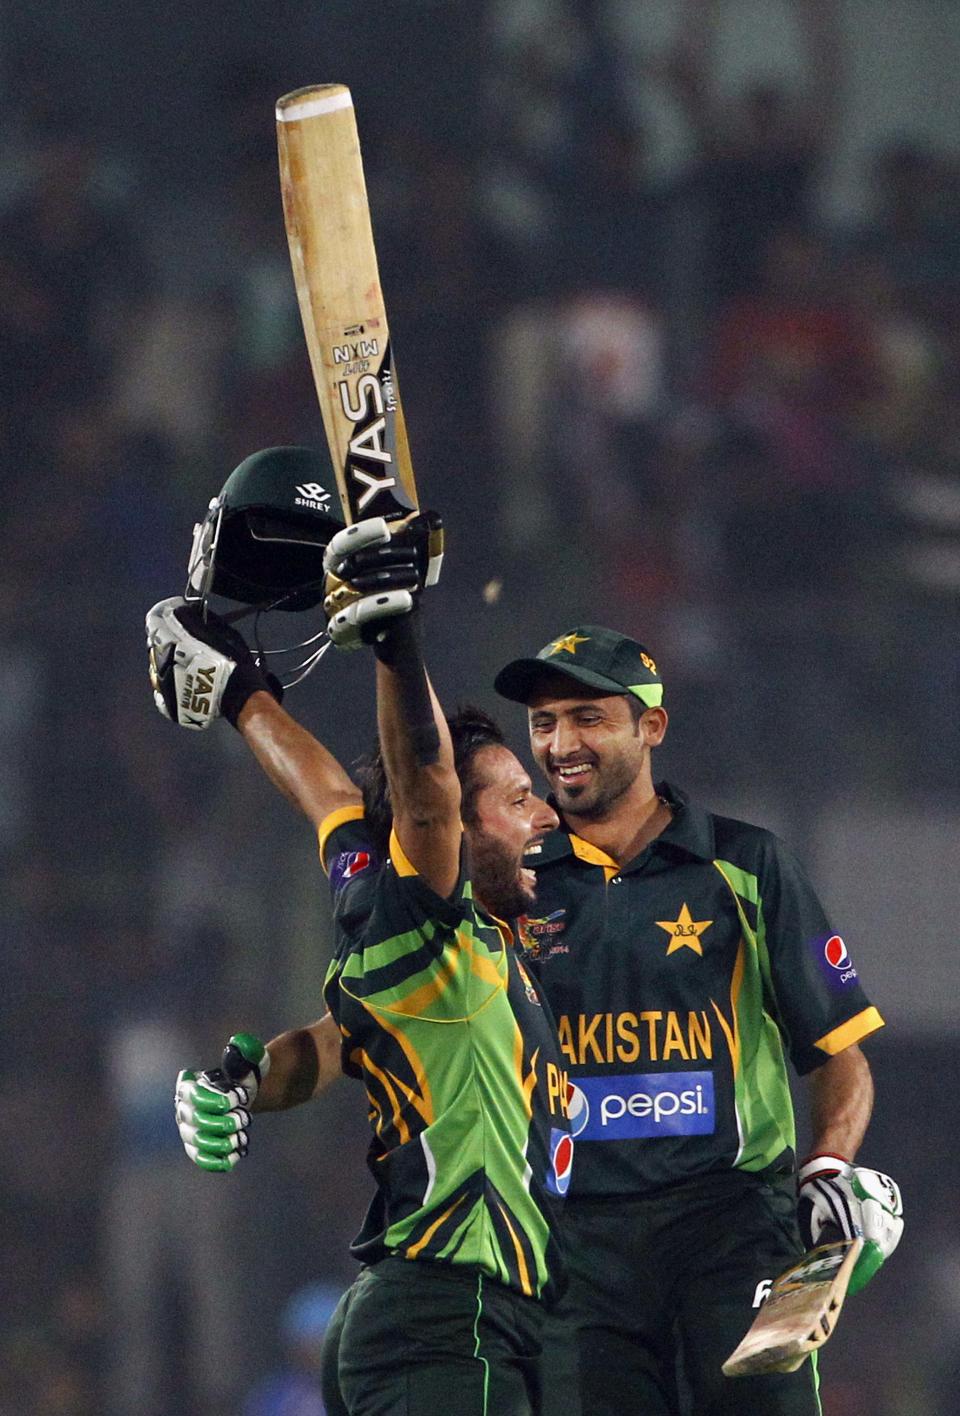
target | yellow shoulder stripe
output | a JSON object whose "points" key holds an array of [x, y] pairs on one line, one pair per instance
{"points": [[853, 1030], [330, 823], [400, 862]]}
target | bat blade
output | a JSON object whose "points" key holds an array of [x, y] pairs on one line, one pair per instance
{"points": [[800, 1312], [341, 304]]}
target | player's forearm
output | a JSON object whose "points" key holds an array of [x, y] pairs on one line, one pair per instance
{"points": [[303, 1063], [296, 763], [841, 1101], [423, 786], [419, 762]]}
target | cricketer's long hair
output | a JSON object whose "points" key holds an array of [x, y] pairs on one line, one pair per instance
{"points": [[470, 730]]}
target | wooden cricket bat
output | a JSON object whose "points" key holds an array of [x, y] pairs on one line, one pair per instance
{"points": [[341, 304], [800, 1312]]}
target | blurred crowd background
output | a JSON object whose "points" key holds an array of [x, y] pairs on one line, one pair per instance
{"points": [[675, 290]]}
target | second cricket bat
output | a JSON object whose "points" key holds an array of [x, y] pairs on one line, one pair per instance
{"points": [[800, 1312], [341, 303]]}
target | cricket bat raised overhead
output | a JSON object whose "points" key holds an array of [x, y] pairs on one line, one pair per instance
{"points": [[341, 304], [799, 1313]]}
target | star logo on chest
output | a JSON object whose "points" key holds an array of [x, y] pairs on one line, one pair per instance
{"points": [[684, 931]]}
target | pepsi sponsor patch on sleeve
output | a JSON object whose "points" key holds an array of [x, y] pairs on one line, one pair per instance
{"points": [[833, 959]]}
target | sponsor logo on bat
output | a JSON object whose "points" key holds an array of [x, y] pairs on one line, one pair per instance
{"points": [[350, 353], [369, 455]]}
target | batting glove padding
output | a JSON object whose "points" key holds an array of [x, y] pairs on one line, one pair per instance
{"points": [[376, 569], [833, 1193], [212, 1108], [200, 666]]}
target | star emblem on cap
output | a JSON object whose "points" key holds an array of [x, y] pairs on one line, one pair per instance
{"points": [[684, 931], [568, 643]]}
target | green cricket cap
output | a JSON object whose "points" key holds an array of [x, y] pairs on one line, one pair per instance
{"points": [[591, 655]]}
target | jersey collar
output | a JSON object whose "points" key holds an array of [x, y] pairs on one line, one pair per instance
{"points": [[690, 832], [691, 829]]}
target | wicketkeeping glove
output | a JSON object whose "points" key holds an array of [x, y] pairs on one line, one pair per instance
{"points": [[212, 1108], [200, 668], [854, 1200], [376, 570]]}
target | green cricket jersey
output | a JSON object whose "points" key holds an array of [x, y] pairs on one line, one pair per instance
{"points": [[678, 983], [471, 1148]]}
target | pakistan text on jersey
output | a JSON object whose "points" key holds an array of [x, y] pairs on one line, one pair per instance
{"points": [[652, 1035]]}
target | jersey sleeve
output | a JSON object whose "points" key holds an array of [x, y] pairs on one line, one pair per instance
{"points": [[822, 1007]]}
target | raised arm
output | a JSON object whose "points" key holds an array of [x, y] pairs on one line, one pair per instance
{"points": [[296, 763], [424, 787], [376, 571], [201, 669]]}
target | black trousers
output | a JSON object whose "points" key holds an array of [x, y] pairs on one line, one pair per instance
{"points": [[662, 1288], [412, 1338]]}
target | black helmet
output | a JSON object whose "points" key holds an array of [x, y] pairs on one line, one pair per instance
{"points": [[262, 542], [262, 539]]}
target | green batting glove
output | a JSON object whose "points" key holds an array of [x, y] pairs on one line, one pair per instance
{"points": [[212, 1108]]}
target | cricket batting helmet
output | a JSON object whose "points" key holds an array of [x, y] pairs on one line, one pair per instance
{"points": [[262, 541]]}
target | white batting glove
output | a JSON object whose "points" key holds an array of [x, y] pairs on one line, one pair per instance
{"points": [[376, 569], [199, 666], [854, 1200]]}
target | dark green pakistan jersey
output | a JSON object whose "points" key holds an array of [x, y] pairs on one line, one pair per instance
{"points": [[467, 1089], [678, 983]]}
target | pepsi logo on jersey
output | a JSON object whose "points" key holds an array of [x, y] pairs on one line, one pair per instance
{"points": [[561, 1162], [833, 952]]}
